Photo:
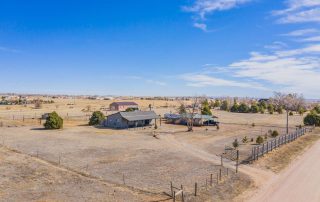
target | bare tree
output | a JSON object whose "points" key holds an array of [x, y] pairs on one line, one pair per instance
{"points": [[192, 110], [289, 102]]}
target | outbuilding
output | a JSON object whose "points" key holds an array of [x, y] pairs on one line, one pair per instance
{"points": [[122, 120], [123, 106], [198, 119]]}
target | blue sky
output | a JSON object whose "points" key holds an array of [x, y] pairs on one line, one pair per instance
{"points": [[160, 47]]}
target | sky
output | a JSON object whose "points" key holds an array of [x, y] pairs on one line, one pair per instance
{"points": [[160, 47]]}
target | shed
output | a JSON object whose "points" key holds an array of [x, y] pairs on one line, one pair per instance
{"points": [[134, 119], [122, 106]]}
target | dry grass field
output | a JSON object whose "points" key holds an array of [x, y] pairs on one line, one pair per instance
{"points": [[91, 163]]}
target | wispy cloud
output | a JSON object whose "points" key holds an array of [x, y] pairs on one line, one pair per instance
{"points": [[312, 39], [299, 11], [205, 80], [202, 8], [201, 26], [302, 32], [10, 50], [159, 83], [276, 45]]}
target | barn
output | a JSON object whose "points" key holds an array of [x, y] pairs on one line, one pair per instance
{"points": [[122, 120], [122, 106]]}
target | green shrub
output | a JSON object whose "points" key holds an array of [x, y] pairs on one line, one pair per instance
{"points": [[312, 119], [301, 111], [253, 124], [224, 105], [96, 118], [317, 109], [270, 109], [274, 133], [290, 113], [245, 139], [235, 108], [259, 140], [206, 110], [243, 108], [53, 121], [254, 108], [280, 110], [235, 143]]}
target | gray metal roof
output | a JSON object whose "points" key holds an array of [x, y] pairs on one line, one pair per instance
{"points": [[123, 103], [139, 115]]}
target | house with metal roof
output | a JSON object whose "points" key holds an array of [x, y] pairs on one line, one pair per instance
{"points": [[123, 106], [198, 119], [122, 120]]}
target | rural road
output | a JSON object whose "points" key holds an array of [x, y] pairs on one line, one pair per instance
{"points": [[299, 183]]}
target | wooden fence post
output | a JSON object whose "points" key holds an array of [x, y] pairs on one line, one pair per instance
{"points": [[237, 163], [182, 194], [195, 189], [211, 180], [171, 188], [174, 196], [220, 173], [221, 161]]}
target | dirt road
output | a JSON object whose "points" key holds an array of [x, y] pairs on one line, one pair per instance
{"points": [[300, 182]]}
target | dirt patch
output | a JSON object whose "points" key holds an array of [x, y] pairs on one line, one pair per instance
{"points": [[280, 158], [24, 178]]}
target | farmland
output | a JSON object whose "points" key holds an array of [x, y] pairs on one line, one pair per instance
{"points": [[100, 164]]}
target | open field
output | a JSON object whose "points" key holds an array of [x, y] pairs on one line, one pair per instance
{"points": [[132, 161]]}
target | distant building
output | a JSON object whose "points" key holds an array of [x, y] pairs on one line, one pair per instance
{"points": [[198, 119], [122, 106], [122, 120]]}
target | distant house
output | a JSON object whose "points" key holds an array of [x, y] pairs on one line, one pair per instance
{"points": [[122, 106], [198, 119], [134, 119]]}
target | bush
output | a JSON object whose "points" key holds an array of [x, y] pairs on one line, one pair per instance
{"points": [[254, 109], [245, 139], [280, 110], [312, 119], [243, 108], [253, 124], [225, 105], [131, 109], [270, 109], [290, 113], [301, 111], [235, 108], [317, 109], [235, 143], [53, 121], [96, 118], [274, 133], [206, 110], [259, 140]]}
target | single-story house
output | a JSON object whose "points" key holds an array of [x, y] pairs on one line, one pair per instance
{"points": [[198, 119], [133, 119], [122, 106]]}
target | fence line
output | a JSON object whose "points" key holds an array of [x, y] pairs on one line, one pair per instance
{"points": [[258, 151]]}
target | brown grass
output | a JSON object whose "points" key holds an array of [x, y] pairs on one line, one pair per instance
{"points": [[280, 158]]}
